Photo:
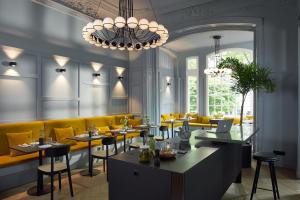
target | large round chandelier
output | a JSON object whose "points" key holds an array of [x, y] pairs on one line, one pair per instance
{"points": [[215, 71], [125, 31]]}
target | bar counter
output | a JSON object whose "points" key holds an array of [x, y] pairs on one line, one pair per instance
{"points": [[202, 173]]}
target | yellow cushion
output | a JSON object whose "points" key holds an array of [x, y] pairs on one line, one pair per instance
{"points": [[205, 119], [134, 122], [35, 127], [78, 125], [104, 130], [18, 138], [62, 135], [193, 115]]}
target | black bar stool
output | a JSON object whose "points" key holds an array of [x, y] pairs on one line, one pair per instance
{"points": [[270, 158]]}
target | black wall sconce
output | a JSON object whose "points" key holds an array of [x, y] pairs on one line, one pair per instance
{"points": [[61, 70], [120, 77], [96, 74], [168, 83], [12, 63]]}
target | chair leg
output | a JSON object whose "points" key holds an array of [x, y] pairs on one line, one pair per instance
{"points": [[254, 186], [59, 180], [103, 165], [51, 186], [273, 180], [92, 165], [106, 170], [275, 177], [70, 182]]}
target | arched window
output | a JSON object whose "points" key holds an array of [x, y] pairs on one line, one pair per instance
{"points": [[220, 98]]}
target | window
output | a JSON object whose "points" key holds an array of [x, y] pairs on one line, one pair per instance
{"points": [[192, 71], [221, 99]]}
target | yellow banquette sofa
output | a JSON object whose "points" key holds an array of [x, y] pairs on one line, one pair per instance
{"points": [[197, 121], [79, 126]]}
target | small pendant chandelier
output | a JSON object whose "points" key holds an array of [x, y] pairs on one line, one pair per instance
{"points": [[215, 71], [125, 31]]}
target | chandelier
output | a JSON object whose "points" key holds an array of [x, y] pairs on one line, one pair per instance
{"points": [[125, 31], [215, 71]]}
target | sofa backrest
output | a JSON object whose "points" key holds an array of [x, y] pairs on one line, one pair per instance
{"points": [[78, 125], [99, 121], [36, 127]]}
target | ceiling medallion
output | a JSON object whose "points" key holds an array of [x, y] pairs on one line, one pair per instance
{"points": [[125, 32], [215, 71]]}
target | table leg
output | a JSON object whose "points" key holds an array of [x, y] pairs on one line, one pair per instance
{"points": [[90, 172], [172, 130], [39, 189], [124, 139]]}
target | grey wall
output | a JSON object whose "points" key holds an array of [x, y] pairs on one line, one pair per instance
{"points": [[201, 53], [167, 73], [33, 90]]}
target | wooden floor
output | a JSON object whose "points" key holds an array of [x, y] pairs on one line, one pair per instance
{"points": [[97, 187]]}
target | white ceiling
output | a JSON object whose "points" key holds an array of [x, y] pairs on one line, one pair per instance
{"points": [[204, 39]]}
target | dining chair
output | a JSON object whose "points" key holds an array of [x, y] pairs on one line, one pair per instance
{"points": [[54, 167], [105, 154], [137, 145]]}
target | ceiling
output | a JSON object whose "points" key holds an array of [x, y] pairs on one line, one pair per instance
{"points": [[204, 39], [150, 9]]}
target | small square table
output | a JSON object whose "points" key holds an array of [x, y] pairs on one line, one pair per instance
{"points": [[88, 139]]}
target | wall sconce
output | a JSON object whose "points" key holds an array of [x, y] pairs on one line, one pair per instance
{"points": [[120, 77], [60, 70], [169, 84], [12, 64], [96, 74]]}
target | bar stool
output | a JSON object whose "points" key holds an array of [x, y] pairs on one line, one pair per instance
{"points": [[137, 145], [270, 158]]}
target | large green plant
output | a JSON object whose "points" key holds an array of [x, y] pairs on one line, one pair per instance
{"points": [[247, 77]]}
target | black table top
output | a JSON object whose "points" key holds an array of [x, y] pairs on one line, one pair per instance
{"points": [[31, 148]]}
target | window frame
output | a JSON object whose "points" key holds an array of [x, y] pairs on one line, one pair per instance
{"points": [[194, 73]]}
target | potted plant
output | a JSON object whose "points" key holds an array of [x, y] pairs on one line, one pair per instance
{"points": [[247, 77]]}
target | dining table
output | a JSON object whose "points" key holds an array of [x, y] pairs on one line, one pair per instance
{"points": [[40, 188], [88, 138]]}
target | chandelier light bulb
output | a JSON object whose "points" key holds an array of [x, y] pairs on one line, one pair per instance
{"points": [[108, 22], [98, 25], [132, 22], [143, 24], [160, 29], [113, 47], [120, 22], [90, 28], [153, 26], [121, 48]]}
